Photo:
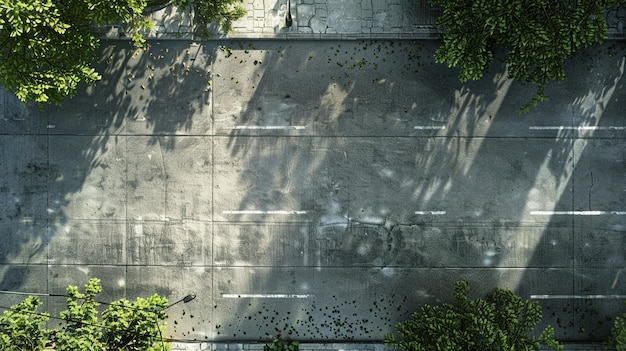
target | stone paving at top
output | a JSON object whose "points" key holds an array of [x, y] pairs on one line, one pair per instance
{"points": [[360, 17], [330, 19], [311, 19]]}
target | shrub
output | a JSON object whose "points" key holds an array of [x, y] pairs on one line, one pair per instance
{"points": [[502, 321]]}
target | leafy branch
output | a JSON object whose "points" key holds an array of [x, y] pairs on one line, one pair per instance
{"points": [[124, 325], [536, 36], [502, 321]]}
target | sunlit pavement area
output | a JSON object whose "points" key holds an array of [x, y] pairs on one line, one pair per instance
{"points": [[318, 190]]}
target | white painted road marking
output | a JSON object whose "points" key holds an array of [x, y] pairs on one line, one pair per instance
{"points": [[430, 127], [430, 212], [269, 127], [577, 128], [279, 212], [577, 297], [577, 213], [267, 296]]}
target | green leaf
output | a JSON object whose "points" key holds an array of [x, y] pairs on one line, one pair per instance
{"points": [[49, 47], [502, 321], [537, 36]]}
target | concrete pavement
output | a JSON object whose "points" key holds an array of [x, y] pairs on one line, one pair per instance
{"points": [[321, 190]]}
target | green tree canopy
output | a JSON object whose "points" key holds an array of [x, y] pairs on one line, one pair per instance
{"points": [[47, 47], [502, 321], [537, 36], [222, 12], [22, 327], [122, 326]]}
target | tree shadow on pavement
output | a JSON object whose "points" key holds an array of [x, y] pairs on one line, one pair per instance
{"points": [[101, 158], [320, 190], [366, 171], [331, 148]]}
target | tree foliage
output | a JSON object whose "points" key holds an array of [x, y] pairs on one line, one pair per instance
{"points": [[22, 327], [279, 344], [123, 325], [617, 339], [537, 36], [220, 12], [503, 321], [139, 322], [48, 47]]}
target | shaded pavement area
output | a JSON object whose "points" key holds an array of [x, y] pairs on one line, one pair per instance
{"points": [[318, 190]]}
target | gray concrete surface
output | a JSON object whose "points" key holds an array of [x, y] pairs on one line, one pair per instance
{"points": [[320, 190]]}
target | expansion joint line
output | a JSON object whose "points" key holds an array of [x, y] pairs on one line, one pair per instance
{"points": [[164, 177], [590, 187], [212, 188]]}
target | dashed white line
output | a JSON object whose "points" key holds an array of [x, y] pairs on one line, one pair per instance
{"points": [[436, 213], [278, 212], [267, 296], [577, 128], [430, 127], [270, 127], [576, 297], [577, 213]]}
